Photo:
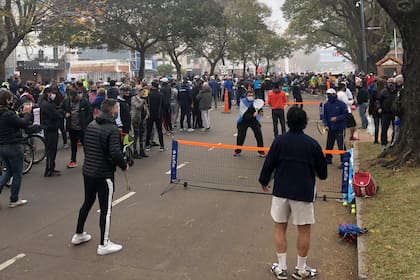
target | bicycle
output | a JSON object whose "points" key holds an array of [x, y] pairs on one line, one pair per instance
{"points": [[36, 141], [28, 161]]}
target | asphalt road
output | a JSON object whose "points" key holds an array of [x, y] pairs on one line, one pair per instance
{"points": [[185, 234]]}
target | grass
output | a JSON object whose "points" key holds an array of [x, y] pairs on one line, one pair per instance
{"points": [[393, 219]]}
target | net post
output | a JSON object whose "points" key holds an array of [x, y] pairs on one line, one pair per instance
{"points": [[174, 164], [174, 161], [345, 176], [321, 111]]}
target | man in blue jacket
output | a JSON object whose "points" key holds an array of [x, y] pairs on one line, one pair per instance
{"points": [[295, 158], [335, 114]]}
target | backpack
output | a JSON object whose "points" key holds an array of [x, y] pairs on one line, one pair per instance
{"points": [[350, 232], [363, 184]]}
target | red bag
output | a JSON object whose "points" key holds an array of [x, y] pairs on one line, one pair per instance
{"points": [[363, 184]]}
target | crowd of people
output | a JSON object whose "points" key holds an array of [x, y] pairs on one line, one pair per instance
{"points": [[144, 110]]}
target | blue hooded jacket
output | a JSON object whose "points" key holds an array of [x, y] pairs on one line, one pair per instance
{"points": [[338, 109]]}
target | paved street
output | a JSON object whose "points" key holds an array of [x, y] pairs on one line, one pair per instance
{"points": [[184, 235]]}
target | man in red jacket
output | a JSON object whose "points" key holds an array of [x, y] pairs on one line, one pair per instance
{"points": [[277, 100]]}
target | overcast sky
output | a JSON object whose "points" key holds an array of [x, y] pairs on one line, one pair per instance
{"points": [[276, 19]]}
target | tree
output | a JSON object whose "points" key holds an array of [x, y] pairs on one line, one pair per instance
{"points": [[275, 47], [246, 23], [337, 24], [407, 150], [165, 69], [17, 19], [208, 36]]}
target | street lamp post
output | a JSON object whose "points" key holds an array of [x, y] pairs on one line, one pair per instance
{"points": [[364, 48]]}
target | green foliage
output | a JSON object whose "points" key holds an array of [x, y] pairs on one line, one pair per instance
{"points": [[246, 29], [337, 23], [165, 69], [17, 19]]}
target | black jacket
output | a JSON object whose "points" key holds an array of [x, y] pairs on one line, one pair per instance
{"points": [[385, 100], [155, 102], [50, 114], [11, 125], [102, 147], [362, 95], [167, 93], [85, 112], [125, 115]]}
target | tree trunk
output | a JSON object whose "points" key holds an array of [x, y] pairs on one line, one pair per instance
{"points": [[212, 67], [178, 70], [407, 150], [268, 66], [244, 68], [142, 63], [2, 69]]}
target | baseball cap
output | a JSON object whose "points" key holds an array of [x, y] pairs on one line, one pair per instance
{"points": [[164, 80], [331, 91]]}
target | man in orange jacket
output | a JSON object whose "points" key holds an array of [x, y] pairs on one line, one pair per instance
{"points": [[277, 100]]}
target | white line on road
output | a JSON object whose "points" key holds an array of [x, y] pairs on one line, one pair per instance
{"points": [[178, 167], [11, 261], [212, 148], [121, 199]]}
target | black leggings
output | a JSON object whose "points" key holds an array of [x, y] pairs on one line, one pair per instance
{"points": [[104, 187], [51, 141]]}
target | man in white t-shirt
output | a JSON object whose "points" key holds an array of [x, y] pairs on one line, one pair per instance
{"points": [[345, 95]]}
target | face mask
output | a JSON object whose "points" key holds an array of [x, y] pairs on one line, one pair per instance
{"points": [[250, 98], [332, 97], [53, 96]]}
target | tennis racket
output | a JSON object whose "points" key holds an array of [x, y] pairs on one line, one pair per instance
{"points": [[258, 104], [322, 129]]}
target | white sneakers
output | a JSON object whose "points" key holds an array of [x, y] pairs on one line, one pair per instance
{"points": [[79, 238], [108, 248], [20, 202]]}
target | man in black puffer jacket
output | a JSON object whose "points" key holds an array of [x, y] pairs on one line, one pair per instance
{"points": [[102, 153]]}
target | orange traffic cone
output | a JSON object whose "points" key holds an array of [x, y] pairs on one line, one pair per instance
{"points": [[226, 102]]}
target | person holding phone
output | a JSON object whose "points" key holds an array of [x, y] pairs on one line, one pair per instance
{"points": [[11, 148]]}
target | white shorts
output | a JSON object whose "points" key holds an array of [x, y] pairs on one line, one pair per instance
{"points": [[302, 212]]}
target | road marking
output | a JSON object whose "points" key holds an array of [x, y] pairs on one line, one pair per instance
{"points": [[212, 148], [121, 199], [8, 263], [178, 167]]}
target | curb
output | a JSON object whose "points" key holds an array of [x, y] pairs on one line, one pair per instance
{"points": [[361, 245]]}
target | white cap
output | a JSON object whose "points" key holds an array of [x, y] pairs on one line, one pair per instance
{"points": [[331, 91], [164, 80]]}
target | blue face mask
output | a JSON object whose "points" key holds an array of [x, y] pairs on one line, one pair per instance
{"points": [[250, 98]]}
